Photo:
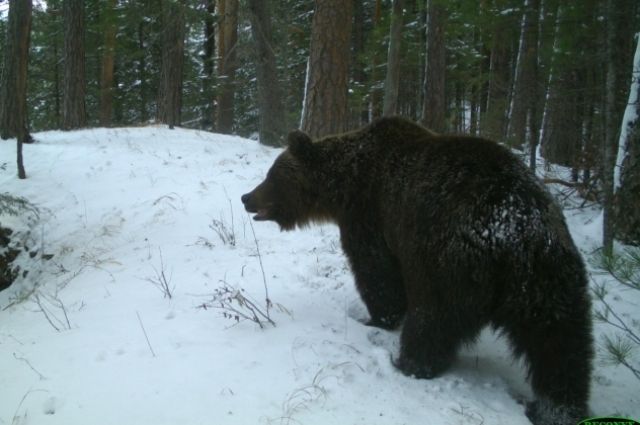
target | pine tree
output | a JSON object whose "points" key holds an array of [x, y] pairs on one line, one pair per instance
{"points": [[325, 104], [627, 170], [392, 81], [272, 120], [13, 81], [434, 108], [109, 25], [227, 63], [74, 84], [522, 113], [170, 91]]}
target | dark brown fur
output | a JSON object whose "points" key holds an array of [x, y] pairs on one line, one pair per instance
{"points": [[450, 234]]}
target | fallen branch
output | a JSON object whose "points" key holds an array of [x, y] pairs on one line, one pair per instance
{"points": [[562, 182]]}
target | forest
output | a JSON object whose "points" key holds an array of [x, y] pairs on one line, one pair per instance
{"points": [[546, 77]]}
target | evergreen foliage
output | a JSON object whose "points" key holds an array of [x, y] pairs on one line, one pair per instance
{"points": [[622, 345], [481, 39]]}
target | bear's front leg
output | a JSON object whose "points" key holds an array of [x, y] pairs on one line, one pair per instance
{"points": [[430, 340], [377, 276]]}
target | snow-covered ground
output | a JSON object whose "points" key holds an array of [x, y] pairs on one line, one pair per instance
{"points": [[99, 343]]}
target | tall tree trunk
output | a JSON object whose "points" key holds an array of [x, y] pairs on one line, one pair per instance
{"points": [[392, 82], [56, 82], [325, 106], [524, 91], [434, 107], [108, 55], [170, 92], [376, 96], [74, 84], [533, 104], [562, 122], [227, 63], [608, 145], [627, 170], [494, 117], [618, 36], [13, 81], [272, 122], [207, 118], [142, 73], [361, 109]]}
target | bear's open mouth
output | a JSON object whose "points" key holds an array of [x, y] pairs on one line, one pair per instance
{"points": [[261, 215]]}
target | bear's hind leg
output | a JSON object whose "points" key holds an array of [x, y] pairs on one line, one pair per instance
{"points": [[559, 356]]}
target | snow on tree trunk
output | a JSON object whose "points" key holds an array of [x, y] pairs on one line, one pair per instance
{"points": [[629, 118], [627, 168]]}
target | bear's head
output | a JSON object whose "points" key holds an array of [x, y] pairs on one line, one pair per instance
{"points": [[289, 194]]}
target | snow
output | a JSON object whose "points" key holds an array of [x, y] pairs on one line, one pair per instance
{"points": [[114, 201]]}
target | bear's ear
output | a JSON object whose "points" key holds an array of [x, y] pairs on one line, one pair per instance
{"points": [[300, 145]]}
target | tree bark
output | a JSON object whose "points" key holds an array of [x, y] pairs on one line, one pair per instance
{"points": [[434, 107], [361, 108], [376, 94], [524, 91], [495, 109], [108, 59], [56, 82], [272, 119], [13, 81], [561, 130], [325, 107], [608, 145], [208, 117], [227, 63], [392, 82], [618, 23], [170, 92], [142, 73], [74, 85]]}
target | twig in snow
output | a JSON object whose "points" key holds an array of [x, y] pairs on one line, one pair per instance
{"points": [[264, 278], [300, 398], [50, 316], [16, 419], [474, 416], [145, 334], [41, 376], [160, 280], [226, 234], [236, 306]]}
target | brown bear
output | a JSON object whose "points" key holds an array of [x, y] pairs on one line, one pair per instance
{"points": [[446, 234]]}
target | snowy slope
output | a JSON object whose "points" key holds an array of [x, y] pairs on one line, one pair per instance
{"points": [[119, 206]]}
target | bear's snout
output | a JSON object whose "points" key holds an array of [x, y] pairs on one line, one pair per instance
{"points": [[249, 201], [253, 204]]}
